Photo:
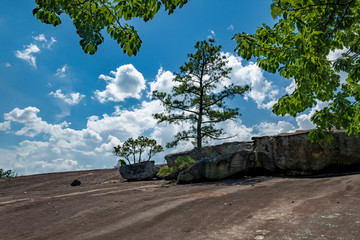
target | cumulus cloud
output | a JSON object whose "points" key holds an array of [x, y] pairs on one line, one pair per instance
{"points": [[269, 129], [60, 149], [40, 37], [304, 121], [34, 125], [28, 54], [5, 126], [7, 65], [61, 72], [130, 123], [230, 28], [263, 92], [212, 34], [163, 82], [291, 88], [46, 43], [108, 147], [71, 98], [126, 82]]}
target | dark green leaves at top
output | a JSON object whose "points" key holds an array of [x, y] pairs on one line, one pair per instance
{"points": [[90, 17], [298, 47]]}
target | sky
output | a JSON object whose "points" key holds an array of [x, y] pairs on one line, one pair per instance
{"points": [[64, 110]]}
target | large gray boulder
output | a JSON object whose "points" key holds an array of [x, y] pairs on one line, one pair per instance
{"points": [[219, 167], [139, 171], [210, 151], [294, 154]]}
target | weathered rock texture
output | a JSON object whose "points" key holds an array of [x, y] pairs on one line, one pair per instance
{"points": [[211, 151], [294, 154], [288, 154], [139, 171], [219, 167]]}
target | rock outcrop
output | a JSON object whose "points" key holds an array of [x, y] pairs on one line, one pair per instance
{"points": [[294, 154], [211, 151], [286, 154], [139, 171], [219, 167]]}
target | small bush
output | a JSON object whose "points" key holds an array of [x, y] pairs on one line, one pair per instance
{"points": [[7, 173], [181, 163], [134, 149]]}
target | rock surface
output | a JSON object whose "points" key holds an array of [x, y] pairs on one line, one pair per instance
{"points": [[218, 167], [287, 154], [294, 154], [107, 207], [139, 171], [210, 151]]}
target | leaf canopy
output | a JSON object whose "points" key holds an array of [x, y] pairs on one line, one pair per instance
{"points": [[298, 47], [90, 17]]}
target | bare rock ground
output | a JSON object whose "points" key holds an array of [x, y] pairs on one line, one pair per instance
{"points": [[105, 206]]}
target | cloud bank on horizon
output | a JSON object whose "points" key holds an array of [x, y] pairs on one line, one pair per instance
{"points": [[49, 147]]}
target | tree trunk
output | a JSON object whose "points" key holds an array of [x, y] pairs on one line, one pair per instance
{"points": [[199, 123], [199, 145]]}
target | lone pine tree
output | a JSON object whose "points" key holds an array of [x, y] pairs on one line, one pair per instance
{"points": [[193, 99]]}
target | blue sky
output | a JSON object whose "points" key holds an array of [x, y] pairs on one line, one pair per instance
{"points": [[63, 110]]}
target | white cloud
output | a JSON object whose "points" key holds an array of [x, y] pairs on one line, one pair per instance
{"points": [[163, 82], [126, 83], [291, 88], [72, 98], [40, 38], [262, 91], [108, 147], [5, 126], [61, 72], [61, 148], [52, 41], [212, 34], [27, 54], [230, 28], [304, 121], [236, 130], [7, 65], [334, 55], [129, 123], [34, 125], [270, 129]]}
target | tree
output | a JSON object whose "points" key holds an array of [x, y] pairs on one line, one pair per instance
{"points": [[298, 46], [132, 149], [90, 17], [194, 99], [7, 173]]}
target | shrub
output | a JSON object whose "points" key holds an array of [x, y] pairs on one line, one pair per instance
{"points": [[181, 163], [132, 150], [7, 173]]}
